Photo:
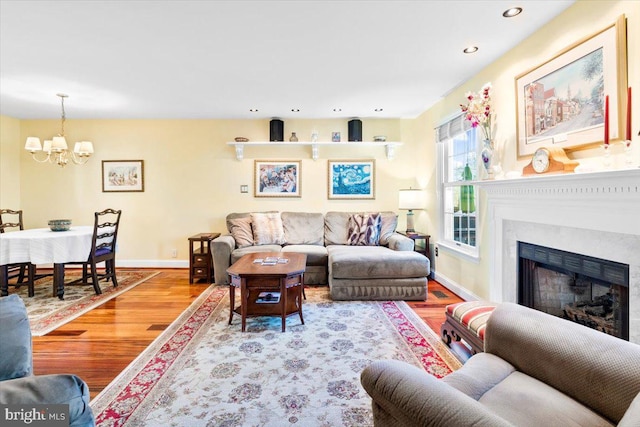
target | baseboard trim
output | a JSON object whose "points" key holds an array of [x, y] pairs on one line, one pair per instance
{"points": [[454, 287], [150, 263]]}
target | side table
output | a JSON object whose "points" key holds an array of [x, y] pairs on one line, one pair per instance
{"points": [[415, 236], [200, 258]]}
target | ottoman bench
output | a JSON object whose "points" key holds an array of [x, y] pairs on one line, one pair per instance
{"points": [[467, 321], [376, 273]]}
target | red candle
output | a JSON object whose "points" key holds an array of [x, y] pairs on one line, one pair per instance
{"points": [[606, 120], [628, 134]]}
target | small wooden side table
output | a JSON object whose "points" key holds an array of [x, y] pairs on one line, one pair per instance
{"points": [[200, 258], [415, 236]]}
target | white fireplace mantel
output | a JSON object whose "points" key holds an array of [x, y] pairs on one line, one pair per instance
{"points": [[595, 214], [608, 200]]}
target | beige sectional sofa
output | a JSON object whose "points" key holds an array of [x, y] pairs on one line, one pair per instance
{"points": [[342, 248]]}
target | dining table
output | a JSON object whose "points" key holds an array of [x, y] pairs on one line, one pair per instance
{"points": [[44, 246]]}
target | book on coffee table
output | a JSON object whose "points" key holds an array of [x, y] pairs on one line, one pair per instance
{"points": [[268, 298]]}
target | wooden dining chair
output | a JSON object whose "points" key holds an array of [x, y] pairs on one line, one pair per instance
{"points": [[11, 220], [103, 249]]}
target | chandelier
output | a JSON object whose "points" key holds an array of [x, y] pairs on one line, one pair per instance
{"points": [[56, 148]]}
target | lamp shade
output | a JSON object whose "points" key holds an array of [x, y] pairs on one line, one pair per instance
{"points": [[33, 144], [83, 148], [59, 143], [411, 199], [46, 147]]}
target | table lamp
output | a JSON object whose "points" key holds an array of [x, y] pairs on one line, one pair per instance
{"points": [[411, 199]]}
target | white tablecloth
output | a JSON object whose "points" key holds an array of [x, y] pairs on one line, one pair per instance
{"points": [[43, 246]]}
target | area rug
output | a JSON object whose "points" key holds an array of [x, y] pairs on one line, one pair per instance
{"points": [[204, 372], [47, 312]]}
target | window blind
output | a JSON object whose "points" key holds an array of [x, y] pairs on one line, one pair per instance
{"points": [[454, 127]]}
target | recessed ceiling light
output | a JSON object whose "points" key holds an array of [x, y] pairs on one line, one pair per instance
{"points": [[253, 110], [377, 110], [337, 110], [295, 110], [511, 12], [471, 49]]}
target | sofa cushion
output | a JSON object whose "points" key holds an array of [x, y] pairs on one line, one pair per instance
{"points": [[240, 229], [301, 228], [388, 225], [519, 399], [316, 255], [239, 253], [66, 389], [364, 229], [267, 229], [375, 262], [15, 339], [336, 228]]}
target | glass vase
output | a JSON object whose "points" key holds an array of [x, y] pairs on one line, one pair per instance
{"points": [[467, 198], [487, 157]]}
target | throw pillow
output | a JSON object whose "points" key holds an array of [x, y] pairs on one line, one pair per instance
{"points": [[364, 229], [267, 229], [240, 229], [388, 224], [15, 336]]}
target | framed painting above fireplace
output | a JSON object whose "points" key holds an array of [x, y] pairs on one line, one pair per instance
{"points": [[561, 101]]}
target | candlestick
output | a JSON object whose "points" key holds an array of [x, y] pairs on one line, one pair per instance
{"points": [[628, 159], [628, 134], [606, 160], [606, 120]]}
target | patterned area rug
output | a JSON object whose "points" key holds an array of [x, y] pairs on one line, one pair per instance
{"points": [[47, 312], [203, 372]]}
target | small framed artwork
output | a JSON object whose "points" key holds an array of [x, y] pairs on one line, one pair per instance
{"points": [[274, 178], [561, 102], [335, 136], [122, 175], [351, 179]]}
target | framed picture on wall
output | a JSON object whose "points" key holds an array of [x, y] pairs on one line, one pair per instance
{"points": [[273, 178], [561, 102], [122, 175], [351, 179]]}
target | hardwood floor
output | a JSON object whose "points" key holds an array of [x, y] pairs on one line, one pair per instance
{"points": [[100, 344]]}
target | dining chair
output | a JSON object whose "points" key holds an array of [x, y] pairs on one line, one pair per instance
{"points": [[103, 249], [11, 220]]}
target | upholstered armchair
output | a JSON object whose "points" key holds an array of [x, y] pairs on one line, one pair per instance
{"points": [[18, 385], [536, 370]]}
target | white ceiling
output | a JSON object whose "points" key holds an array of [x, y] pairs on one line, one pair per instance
{"points": [[218, 59]]}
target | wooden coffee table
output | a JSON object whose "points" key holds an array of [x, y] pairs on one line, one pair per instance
{"points": [[253, 278]]}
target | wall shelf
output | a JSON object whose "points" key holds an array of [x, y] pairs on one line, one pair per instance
{"points": [[315, 146]]}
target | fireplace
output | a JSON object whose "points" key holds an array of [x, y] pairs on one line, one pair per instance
{"points": [[591, 291], [594, 214]]}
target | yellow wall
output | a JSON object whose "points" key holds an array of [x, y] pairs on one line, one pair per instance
{"points": [[9, 164], [192, 178], [581, 20]]}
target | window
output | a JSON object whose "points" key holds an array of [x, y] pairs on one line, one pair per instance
{"points": [[458, 154]]}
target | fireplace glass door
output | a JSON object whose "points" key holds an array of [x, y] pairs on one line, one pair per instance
{"points": [[590, 291]]}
